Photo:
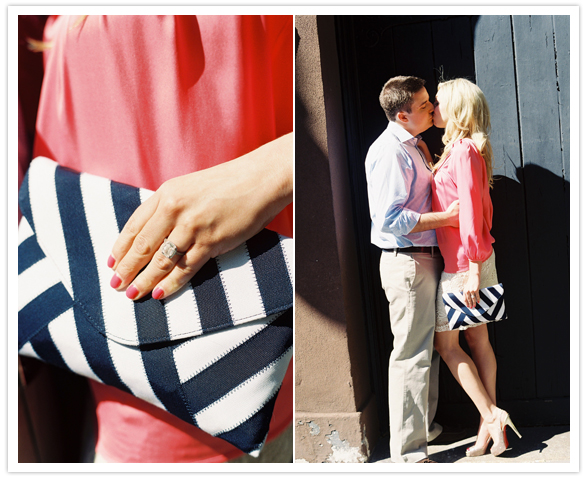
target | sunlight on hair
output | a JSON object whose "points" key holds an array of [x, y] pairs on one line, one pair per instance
{"points": [[38, 46], [78, 21]]}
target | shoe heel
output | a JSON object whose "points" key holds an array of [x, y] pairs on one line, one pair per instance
{"points": [[508, 422], [501, 445]]}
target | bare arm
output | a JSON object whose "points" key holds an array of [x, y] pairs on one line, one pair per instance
{"points": [[434, 220], [471, 289]]}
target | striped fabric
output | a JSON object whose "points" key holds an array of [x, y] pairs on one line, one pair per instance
{"points": [[214, 354], [491, 307]]}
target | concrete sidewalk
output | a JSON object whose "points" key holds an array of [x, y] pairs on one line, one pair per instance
{"points": [[538, 444]]}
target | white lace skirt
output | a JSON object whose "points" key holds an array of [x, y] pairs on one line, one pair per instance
{"points": [[455, 282]]}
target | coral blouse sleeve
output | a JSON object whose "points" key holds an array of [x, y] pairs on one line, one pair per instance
{"points": [[470, 175]]}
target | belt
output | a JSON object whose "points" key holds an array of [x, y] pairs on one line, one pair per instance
{"points": [[430, 250]]}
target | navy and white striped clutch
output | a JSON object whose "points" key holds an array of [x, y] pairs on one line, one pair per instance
{"points": [[214, 354], [491, 307]]}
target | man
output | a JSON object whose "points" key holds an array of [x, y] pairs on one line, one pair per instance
{"points": [[402, 225]]}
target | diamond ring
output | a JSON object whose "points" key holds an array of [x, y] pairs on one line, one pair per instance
{"points": [[169, 249]]}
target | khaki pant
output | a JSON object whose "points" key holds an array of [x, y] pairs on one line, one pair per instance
{"points": [[410, 281]]}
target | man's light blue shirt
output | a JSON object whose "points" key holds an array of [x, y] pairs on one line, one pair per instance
{"points": [[399, 187]]}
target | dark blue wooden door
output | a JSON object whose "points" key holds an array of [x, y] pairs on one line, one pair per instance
{"points": [[522, 65]]}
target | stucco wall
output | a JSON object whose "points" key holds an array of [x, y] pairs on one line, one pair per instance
{"points": [[334, 401]]}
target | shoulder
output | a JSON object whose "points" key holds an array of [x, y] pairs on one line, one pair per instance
{"points": [[465, 150], [386, 146], [465, 146]]}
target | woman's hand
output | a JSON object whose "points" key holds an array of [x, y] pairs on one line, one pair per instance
{"points": [[205, 214], [471, 289]]}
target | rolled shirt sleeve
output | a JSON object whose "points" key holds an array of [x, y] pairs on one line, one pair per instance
{"points": [[393, 178]]}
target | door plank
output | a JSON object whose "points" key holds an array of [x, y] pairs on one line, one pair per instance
{"points": [[494, 63], [547, 205]]}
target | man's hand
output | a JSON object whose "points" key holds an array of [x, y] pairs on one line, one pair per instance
{"points": [[453, 214], [435, 220]]}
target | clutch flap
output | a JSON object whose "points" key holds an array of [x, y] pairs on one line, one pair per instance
{"points": [[75, 219], [489, 298]]}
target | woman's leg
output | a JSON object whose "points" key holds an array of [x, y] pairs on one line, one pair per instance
{"points": [[484, 359], [464, 370]]}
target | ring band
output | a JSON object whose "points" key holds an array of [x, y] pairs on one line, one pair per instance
{"points": [[169, 249]]}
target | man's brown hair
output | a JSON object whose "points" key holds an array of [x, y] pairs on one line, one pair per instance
{"points": [[397, 94]]}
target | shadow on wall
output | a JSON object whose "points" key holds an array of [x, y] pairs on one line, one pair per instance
{"points": [[316, 252], [543, 237]]}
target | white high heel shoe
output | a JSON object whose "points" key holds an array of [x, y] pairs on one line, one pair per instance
{"points": [[476, 451], [497, 430]]}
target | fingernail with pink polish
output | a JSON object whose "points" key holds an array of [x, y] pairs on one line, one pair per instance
{"points": [[157, 293], [132, 292], [115, 282], [111, 261]]}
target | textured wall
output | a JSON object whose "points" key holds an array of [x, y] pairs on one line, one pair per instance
{"points": [[332, 383]]}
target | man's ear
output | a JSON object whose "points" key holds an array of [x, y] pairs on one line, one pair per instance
{"points": [[401, 116]]}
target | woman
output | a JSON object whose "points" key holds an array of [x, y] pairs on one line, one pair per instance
{"points": [[198, 108], [464, 172]]}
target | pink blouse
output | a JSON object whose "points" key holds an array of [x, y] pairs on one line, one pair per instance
{"points": [[142, 99], [463, 176]]}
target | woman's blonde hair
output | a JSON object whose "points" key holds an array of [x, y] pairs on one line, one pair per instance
{"points": [[467, 117], [38, 46]]}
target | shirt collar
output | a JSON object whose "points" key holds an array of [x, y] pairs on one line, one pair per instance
{"points": [[403, 135]]}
